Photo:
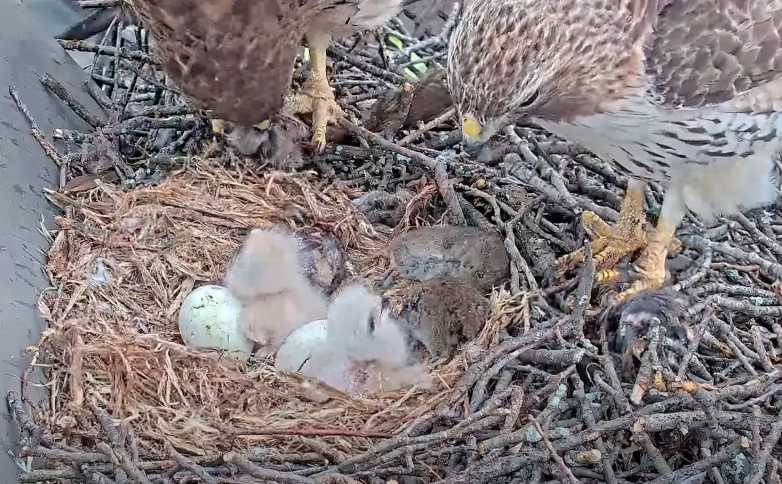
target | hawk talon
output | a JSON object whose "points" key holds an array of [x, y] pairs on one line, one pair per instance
{"points": [[625, 237], [611, 244], [650, 268], [318, 97], [218, 126]]}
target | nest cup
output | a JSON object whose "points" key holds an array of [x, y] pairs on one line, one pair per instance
{"points": [[114, 341]]}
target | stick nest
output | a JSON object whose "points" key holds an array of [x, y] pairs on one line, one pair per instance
{"points": [[153, 207]]}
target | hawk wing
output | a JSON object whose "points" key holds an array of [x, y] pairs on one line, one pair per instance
{"points": [[709, 52], [428, 17]]}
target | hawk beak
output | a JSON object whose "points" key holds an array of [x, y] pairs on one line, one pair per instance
{"points": [[471, 136], [471, 128], [263, 125]]}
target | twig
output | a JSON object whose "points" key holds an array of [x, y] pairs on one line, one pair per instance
{"points": [[589, 418], [30, 432], [554, 455], [83, 46], [116, 452], [255, 471], [189, 464], [771, 269], [760, 461], [35, 130], [412, 137], [701, 466], [54, 85], [99, 3], [519, 263], [307, 432]]}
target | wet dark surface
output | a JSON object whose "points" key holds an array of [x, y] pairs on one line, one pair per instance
{"points": [[27, 51]]}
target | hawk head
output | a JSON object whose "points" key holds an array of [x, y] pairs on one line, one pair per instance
{"points": [[548, 59]]}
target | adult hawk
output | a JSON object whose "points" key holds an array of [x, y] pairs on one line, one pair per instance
{"points": [[235, 57], [683, 92]]}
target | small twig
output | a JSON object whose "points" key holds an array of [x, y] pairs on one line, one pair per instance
{"points": [[412, 137], [585, 283], [554, 455], [307, 432], [267, 474], [589, 418], [116, 451], [701, 466], [772, 269], [99, 3], [35, 130], [58, 89], [30, 432], [518, 261], [760, 460], [758, 235], [83, 46], [189, 464]]}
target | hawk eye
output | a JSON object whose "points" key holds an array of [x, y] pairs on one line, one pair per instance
{"points": [[530, 100]]}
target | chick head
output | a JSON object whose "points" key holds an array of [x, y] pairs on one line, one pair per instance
{"points": [[359, 321], [267, 263]]}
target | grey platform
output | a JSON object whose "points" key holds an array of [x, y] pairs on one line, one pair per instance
{"points": [[27, 51]]}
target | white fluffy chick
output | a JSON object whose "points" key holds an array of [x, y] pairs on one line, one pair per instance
{"points": [[365, 350], [277, 298]]}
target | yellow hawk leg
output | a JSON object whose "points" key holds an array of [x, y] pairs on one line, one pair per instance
{"points": [[318, 97], [611, 244]]}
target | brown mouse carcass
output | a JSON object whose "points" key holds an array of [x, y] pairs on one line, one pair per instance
{"points": [[472, 254], [441, 313]]}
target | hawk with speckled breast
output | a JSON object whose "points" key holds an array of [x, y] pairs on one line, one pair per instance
{"points": [[683, 92], [236, 57]]}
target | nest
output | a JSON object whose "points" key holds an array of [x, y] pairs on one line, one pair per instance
{"points": [[153, 207], [128, 262]]}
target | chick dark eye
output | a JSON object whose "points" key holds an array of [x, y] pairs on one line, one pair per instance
{"points": [[530, 100], [371, 322]]}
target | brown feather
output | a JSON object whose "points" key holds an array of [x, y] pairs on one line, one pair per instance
{"points": [[235, 57], [708, 51]]}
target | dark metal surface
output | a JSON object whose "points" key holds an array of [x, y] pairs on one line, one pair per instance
{"points": [[27, 51]]}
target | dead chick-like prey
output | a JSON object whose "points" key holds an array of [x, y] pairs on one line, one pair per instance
{"points": [[683, 92], [276, 297]]}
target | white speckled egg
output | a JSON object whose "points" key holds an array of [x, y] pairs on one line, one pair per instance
{"points": [[296, 348], [209, 318]]}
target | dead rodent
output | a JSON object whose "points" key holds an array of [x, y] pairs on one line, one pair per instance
{"points": [[390, 111], [430, 99], [407, 106], [382, 207], [473, 254], [441, 313]]}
